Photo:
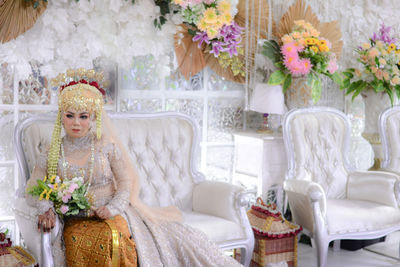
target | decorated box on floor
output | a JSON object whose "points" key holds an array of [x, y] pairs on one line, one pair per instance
{"points": [[275, 237]]}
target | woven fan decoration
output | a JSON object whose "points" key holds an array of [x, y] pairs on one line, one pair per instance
{"points": [[299, 11], [17, 16], [192, 59]]}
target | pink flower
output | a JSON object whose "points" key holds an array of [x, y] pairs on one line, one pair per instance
{"points": [[332, 66], [66, 197], [290, 49], [72, 187], [64, 209]]}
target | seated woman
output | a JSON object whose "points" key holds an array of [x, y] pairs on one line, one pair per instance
{"points": [[119, 230]]}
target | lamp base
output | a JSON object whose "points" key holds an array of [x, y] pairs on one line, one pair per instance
{"points": [[264, 131]]}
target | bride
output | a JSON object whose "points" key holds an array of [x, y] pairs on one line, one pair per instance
{"points": [[120, 230]]}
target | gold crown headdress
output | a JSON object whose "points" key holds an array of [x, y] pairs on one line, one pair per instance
{"points": [[80, 90]]}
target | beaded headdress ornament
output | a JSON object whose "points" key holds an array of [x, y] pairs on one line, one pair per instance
{"points": [[79, 90]]}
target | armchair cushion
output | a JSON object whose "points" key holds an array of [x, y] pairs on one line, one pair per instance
{"points": [[216, 228], [374, 186], [342, 218], [217, 199]]}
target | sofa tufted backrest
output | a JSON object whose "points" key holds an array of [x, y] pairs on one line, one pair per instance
{"points": [[162, 148], [390, 135], [315, 145]]}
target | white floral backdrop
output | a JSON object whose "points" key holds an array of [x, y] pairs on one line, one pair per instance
{"points": [[73, 34]]}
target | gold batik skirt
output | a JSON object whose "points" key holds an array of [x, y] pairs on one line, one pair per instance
{"points": [[93, 242]]}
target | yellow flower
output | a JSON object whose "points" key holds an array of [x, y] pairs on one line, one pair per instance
{"points": [[210, 15], [52, 179], [45, 178], [178, 2], [212, 32], [314, 48], [324, 48], [202, 25], [310, 41], [48, 194], [392, 47], [55, 186], [397, 52], [366, 46], [226, 18], [42, 194], [224, 7]]}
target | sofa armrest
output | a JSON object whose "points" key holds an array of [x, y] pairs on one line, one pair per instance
{"points": [[306, 190], [376, 186], [218, 199]]}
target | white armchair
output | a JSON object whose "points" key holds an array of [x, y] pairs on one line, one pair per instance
{"points": [[326, 196], [163, 147], [389, 131]]}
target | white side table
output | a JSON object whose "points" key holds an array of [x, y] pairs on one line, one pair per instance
{"points": [[260, 161]]}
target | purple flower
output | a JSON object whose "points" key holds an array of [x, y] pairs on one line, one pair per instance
{"points": [[383, 35], [216, 48], [201, 37], [64, 209]]}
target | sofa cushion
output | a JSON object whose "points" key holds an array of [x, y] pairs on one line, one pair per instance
{"points": [[216, 228], [370, 216]]}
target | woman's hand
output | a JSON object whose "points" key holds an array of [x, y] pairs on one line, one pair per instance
{"points": [[103, 213], [47, 221]]}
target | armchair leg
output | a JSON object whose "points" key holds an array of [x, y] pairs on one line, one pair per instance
{"points": [[322, 252], [246, 255]]}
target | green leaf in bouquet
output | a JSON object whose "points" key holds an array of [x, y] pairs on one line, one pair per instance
{"points": [[337, 78], [81, 206], [348, 73], [389, 91], [279, 65], [42, 184], [277, 77], [316, 89], [346, 83], [287, 82], [271, 50], [72, 212], [397, 89]]}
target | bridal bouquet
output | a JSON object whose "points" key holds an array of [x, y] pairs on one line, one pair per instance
{"points": [[303, 52], [380, 60], [69, 197], [210, 22]]}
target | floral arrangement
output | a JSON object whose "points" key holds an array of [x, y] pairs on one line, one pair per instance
{"points": [[380, 59], [5, 240], [303, 53], [69, 197], [210, 22]]}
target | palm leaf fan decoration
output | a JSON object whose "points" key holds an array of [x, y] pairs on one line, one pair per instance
{"points": [[299, 11], [189, 56], [16, 17]]}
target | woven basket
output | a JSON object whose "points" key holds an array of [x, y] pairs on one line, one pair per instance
{"points": [[275, 237]]}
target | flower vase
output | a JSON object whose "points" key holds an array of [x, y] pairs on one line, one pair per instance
{"points": [[299, 95], [375, 104]]}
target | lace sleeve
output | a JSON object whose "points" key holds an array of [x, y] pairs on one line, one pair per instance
{"points": [[38, 173], [120, 201]]}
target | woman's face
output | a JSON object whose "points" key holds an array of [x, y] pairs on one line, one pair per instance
{"points": [[76, 124]]}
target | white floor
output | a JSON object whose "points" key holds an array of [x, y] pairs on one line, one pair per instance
{"points": [[359, 258]]}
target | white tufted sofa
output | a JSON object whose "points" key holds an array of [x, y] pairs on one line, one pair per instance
{"points": [[163, 147], [326, 196], [389, 131]]}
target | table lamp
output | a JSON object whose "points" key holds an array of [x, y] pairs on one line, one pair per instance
{"points": [[267, 99]]}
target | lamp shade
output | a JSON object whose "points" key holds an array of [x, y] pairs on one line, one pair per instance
{"points": [[267, 99]]}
